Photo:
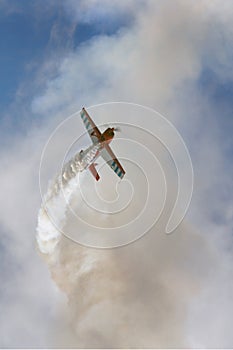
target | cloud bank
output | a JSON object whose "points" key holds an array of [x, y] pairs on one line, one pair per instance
{"points": [[162, 291]]}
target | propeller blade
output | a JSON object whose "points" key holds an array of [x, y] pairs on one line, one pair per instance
{"points": [[117, 129]]}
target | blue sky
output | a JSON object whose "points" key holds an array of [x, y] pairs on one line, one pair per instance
{"points": [[26, 38], [175, 58], [22, 40]]}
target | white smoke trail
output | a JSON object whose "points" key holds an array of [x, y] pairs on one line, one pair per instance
{"points": [[120, 297], [128, 297], [64, 185]]}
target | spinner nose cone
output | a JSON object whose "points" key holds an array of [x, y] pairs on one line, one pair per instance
{"points": [[110, 133]]}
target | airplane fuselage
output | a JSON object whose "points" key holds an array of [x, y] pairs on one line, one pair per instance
{"points": [[83, 159], [88, 156], [100, 140]]}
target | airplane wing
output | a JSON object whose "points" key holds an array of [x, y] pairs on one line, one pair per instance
{"points": [[92, 129], [112, 161]]}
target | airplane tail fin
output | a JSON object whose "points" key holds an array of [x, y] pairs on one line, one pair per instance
{"points": [[94, 172]]}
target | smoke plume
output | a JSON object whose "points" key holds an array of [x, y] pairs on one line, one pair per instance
{"points": [[133, 296], [157, 291]]}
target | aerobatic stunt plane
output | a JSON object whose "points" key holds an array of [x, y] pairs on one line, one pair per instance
{"points": [[100, 147]]}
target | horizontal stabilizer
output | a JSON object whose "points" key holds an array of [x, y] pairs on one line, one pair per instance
{"points": [[93, 170]]}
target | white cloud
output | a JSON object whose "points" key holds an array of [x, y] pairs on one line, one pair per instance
{"points": [[156, 53], [92, 11], [156, 292], [28, 298]]}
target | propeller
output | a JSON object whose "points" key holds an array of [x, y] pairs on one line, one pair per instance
{"points": [[117, 129]]}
